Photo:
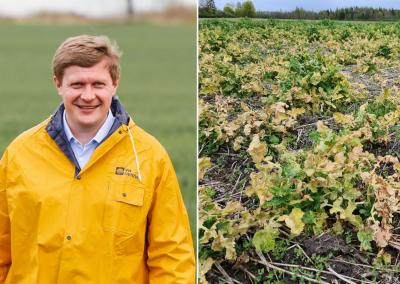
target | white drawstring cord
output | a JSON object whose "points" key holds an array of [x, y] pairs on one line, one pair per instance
{"points": [[136, 155]]}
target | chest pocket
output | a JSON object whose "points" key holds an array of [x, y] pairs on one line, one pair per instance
{"points": [[124, 206]]}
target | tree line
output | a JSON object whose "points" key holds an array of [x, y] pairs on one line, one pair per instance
{"points": [[207, 9]]}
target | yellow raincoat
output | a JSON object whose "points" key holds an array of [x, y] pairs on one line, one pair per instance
{"points": [[120, 219]]}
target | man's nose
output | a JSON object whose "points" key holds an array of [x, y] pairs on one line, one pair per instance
{"points": [[88, 94]]}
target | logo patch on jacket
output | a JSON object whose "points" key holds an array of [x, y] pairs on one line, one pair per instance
{"points": [[121, 171]]}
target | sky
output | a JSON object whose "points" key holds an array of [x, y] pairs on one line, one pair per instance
{"points": [[84, 7], [314, 5]]}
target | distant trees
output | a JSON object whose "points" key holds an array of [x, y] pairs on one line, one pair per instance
{"points": [[210, 5], [229, 10], [238, 9], [207, 8], [345, 14], [246, 8]]}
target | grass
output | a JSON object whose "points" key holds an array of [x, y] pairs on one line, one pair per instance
{"points": [[158, 84]]}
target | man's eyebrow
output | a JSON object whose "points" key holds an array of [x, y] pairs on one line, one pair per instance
{"points": [[75, 82]]}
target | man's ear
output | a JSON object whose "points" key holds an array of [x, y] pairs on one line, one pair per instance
{"points": [[116, 84], [57, 83]]}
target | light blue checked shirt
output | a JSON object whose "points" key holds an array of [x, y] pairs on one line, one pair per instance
{"points": [[84, 152]]}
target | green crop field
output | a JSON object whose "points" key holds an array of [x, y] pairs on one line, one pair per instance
{"points": [[158, 84]]}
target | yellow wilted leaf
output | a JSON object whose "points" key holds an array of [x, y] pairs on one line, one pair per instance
{"points": [[397, 167], [345, 119], [209, 234], [329, 166], [383, 258], [294, 112], [260, 186], [336, 207], [252, 87], [365, 176], [237, 143], [229, 245], [230, 128], [309, 172], [321, 127], [356, 153], [315, 78], [388, 159], [293, 221], [258, 123], [389, 119], [227, 58], [363, 107], [247, 129], [226, 243], [257, 149], [340, 158], [232, 207], [279, 107], [204, 164], [347, 214], [362, 86], [320, 221], [205, 266], [245, 107], [201, 107], [386, 94], [382, 234]]}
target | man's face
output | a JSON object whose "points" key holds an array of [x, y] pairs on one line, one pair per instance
{"points": [[87, 93]]}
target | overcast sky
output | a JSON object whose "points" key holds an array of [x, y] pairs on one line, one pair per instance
{"points": [[316, 5], [84, 7]]}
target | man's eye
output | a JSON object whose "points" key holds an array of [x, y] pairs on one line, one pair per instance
{"points": [[98, 85], [76, 85]]}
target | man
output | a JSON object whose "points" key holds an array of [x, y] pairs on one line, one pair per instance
{"points": [[87, 196]]}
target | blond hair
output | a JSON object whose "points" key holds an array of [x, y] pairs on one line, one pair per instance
{"points": [[87, 51]]}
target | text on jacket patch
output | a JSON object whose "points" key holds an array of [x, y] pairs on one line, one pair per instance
{"points": [[124, 171]]}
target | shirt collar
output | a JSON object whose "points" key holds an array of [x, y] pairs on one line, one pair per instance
{"points": [[101, 133]]}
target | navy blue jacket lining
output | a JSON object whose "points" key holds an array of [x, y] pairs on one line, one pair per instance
{"points": [[56, 130]]}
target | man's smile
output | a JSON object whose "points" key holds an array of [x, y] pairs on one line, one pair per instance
{"points": [[87, 107]]}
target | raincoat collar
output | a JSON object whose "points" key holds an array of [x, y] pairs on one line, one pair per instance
{"points": [[56, 130]]}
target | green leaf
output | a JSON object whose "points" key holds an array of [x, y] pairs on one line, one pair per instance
{"points": [[315, 78], [365, 238], [290, 167], [273, 139], [309, 217], [314, 136], [223, 226], [264, 240], [276, 202], [210, 192], [291, 170], [209, 207], [209, 222], [270, 75]]}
